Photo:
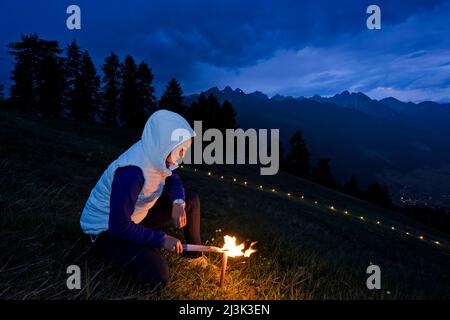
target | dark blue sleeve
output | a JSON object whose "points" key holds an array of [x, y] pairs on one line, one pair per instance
{"points": [[126, 186], [175, 187]]}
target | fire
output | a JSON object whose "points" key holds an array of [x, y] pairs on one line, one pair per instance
{"points": [[236, 250]]}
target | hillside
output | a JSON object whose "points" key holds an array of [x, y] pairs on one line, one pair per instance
{"points": [[305, 250]]}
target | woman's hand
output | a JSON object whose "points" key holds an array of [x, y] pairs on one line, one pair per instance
{"points": [[172, 244], [179, 215]]}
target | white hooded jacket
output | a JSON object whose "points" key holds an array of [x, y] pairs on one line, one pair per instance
{"points": [[163, 132]]}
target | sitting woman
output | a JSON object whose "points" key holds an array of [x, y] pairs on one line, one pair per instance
{"points": [[137, 194]]}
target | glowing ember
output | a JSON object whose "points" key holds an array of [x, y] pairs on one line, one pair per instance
{"points": [[236, 250]]}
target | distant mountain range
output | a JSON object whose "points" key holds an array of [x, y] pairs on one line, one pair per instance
{"points": [[386, 140]]}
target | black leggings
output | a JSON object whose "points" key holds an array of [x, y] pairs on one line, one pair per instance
{"points": [[142, 260]]}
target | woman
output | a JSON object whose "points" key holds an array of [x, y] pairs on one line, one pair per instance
{"points": [[137, 194]]}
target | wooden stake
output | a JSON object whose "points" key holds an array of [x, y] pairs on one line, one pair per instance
{"points": [[224, 268]]}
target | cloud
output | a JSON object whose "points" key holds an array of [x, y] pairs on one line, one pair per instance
{"points": [[295, 47], [410, 61]]}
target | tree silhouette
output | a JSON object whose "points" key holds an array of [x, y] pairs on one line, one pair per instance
{"points": [[111, 89], [321, 174], [50, 85], [227, 117], [129, 102], [72, 74], [23, 75], [351, 187], [37, 75], [86, 99], [172, 98], [297, 159], [379, 195], [146, 97], [2, 94]]}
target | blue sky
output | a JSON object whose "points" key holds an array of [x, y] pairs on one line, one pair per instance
{"points": [[297, 48]]}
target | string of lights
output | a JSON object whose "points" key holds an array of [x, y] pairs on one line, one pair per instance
{"points": [[330, 208]]}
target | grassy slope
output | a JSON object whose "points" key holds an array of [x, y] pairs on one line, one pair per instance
{"points": [[305, 251]]}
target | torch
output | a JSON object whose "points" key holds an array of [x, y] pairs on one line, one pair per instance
{"points": [[230, 249]]}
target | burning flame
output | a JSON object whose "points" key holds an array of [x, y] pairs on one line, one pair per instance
{"points": [[236, 250]]}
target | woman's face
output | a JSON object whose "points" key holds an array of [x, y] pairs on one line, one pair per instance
{"points": [[180, 152]]}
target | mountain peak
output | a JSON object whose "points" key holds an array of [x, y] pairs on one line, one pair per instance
{"points": [[259, 94], [227, 89]]}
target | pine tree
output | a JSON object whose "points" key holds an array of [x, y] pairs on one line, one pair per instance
{"points": [[23, 75], [297, 159], [197, 109], [379, 195], [351, 187], [72, 73], [2, 95], [50, 86], [172, 98], [227, 117], [146, 97], [86, 100], [321, 174], [37, 75], [111, 89], [129, 104]]}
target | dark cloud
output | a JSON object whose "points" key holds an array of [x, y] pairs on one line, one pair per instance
{"points": [[191, 39]]}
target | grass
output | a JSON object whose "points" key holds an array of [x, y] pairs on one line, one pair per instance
{"points": [[305, 251]]}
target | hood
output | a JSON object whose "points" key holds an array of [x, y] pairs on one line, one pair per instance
{"points": [[163, 132]]}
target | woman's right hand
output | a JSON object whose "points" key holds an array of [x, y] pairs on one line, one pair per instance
{"points": [[172, 244]]}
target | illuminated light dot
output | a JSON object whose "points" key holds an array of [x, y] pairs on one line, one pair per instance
{"points": [[437, 242], [234, 179], [393, 228], [209, 173], [221, 177], [273, 190], [245, 182], [407, 233], [361, 217], [332, 208], [378, 222], [288, 194], [388, 292], [421, 237], [260, 187], [181, 166], [346, 212], [195, 170], [315, 202], [303, 197]]}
